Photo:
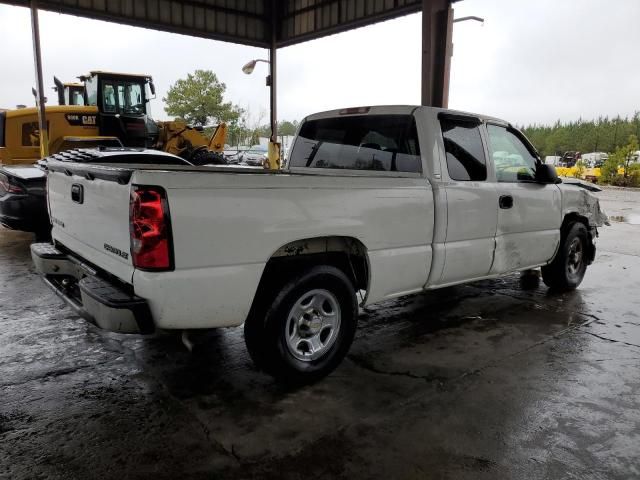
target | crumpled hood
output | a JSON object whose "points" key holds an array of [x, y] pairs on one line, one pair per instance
{"points": [[579, 200]]}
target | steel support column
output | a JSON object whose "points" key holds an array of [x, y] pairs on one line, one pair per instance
{"points": [[40, 100], [272, 92], [273, 155], [437, 28]]}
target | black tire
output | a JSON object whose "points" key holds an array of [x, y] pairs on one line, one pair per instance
{"points": [[567, 269], [268, 331], [205, 157]]}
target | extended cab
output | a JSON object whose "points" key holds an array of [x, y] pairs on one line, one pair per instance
{"points": [[377, 202]]}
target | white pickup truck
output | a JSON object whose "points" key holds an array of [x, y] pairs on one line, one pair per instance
{"points": [[376, 202]]}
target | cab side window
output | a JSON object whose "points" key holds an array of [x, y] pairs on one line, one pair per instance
{"points": [[512, 159], [464, 150], [368, 142]]}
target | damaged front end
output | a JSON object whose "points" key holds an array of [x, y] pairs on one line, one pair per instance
{"points": [[577, 199], [580, 203]]}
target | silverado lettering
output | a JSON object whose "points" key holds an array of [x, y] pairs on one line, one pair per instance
{"points": [[115, 250], [57, 222]]}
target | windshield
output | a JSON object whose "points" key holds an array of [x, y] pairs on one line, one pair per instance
{"points": [[123, 97]]}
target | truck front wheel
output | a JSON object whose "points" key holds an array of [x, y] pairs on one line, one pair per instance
{"points": [[567, 269], [304, 332]]}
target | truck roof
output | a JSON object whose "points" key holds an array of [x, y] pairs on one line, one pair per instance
{"points": [[397, 110], [115, 74]]}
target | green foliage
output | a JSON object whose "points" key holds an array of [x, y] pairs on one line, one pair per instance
{"points": [[240, 133], [609, 170], [601, 135], [622, 157], [236, 131], [286, 127], [580, 167], [627, 152], [199, 100]]}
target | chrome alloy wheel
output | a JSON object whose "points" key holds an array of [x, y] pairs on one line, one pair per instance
{"points": [[312, 325], [575, 257]]}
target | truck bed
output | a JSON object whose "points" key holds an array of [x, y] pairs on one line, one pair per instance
{"points": [[227, 223]]}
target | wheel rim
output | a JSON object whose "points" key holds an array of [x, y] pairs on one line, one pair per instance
{"points": [[575, 257], [313, 324]]}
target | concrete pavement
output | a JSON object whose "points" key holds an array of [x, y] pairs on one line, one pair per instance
{"points": [[479, 381]]}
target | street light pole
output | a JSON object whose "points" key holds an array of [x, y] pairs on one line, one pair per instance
{"points": [[272, 77], [470, 17], [271, 83], [449, 52], [273, 153]]}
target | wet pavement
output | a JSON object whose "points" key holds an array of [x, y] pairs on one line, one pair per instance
{"points": [[472, 382]]}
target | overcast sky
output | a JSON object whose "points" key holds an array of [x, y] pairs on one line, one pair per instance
{"points": [[532, 61]]}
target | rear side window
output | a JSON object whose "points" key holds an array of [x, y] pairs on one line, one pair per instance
{"points": [[463, 146], [371, 142]]}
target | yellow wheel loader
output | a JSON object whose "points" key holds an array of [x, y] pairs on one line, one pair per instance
{"points": [[111, 111], [122, 101], [107, 109]]}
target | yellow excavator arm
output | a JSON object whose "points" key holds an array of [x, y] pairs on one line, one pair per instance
{"points": [[218, 138], [180, 139]]}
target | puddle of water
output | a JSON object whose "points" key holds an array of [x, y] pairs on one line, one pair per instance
{"points": [[631, 219]]}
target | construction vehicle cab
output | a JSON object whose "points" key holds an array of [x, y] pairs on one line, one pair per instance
{"points": [[69, 93], [122, 100]]}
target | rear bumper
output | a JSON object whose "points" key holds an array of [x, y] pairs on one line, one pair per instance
{"points": [[97, 300]]}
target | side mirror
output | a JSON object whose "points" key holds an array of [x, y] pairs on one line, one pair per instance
{"points": [[547, 174], [152, 87]]}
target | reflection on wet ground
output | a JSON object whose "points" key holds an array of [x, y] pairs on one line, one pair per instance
{"points": [[480, 381]]}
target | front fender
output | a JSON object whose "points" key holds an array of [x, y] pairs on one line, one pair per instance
{"points": [[578, 201]]}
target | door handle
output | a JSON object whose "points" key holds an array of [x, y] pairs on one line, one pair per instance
{"points": [[505, 201]]}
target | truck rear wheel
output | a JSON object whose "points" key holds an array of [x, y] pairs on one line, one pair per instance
{"points": [[567, 269], [303, 332]]}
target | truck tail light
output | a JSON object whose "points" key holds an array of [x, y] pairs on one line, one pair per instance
{"points": [[150, 228], [7, 186]]}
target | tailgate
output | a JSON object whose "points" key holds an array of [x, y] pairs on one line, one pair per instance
{"points": [[89, 208]]}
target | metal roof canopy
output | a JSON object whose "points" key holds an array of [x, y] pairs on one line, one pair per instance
{"points": [[247, 22], [264, 23]]}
